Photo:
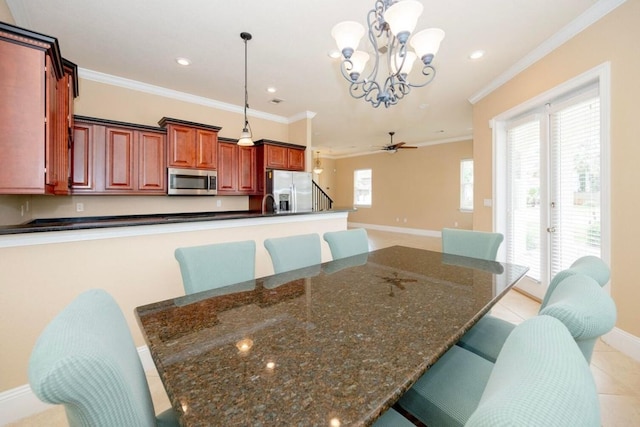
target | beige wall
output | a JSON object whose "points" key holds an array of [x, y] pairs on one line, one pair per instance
{"points": [[610, 39], [421, 185], [38, 281], [5, 14]]}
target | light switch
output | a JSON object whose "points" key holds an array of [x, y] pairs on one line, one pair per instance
{"points": [[488, 202]]}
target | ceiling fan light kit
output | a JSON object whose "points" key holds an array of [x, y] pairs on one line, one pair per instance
{"points": [[393, 148], [390, 24]]}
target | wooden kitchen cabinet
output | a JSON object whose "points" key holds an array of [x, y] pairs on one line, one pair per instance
{"points": [[118, 158], [191, 145], [237, 169], [285, 157], [36, 96]]}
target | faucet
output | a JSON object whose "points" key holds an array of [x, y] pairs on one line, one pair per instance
{"points": [[264, 202]]}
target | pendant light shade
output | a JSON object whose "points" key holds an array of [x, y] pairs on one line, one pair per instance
{"points": [[245, 137]]}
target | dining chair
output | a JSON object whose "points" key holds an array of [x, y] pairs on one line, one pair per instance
{"points": [[540, 378], [347, 243], [216, 265], [293, 252], [469, 243], [86, 360], [489, 334], [392, 418]]}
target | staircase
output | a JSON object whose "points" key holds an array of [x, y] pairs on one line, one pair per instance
{"points": [[321, 200]]}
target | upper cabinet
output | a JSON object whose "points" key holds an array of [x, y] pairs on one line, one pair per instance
{"points": [[191, 145], [278, 155], [118, 158], [237, 169], [37, 88]]}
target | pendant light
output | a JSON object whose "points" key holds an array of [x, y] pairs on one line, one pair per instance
{"points": [[317, 169], [245, 136]]}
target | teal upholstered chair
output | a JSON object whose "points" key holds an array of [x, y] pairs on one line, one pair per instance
{"points": [[585, 309], [86, 360], [489, 334], [347, 243], [473, 244], [213, 266], [540, 379], [293, 252], [590, 265], [392, 418]]}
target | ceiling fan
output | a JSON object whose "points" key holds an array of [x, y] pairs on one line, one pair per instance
{"points": [[392, 148]]}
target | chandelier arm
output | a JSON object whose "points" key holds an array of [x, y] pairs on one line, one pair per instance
{"points": [[430, 72]]}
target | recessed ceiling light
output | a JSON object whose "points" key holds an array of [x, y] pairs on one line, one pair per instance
{"points": [[476, 54], [333, 53], [271, 89], [183, 61]]}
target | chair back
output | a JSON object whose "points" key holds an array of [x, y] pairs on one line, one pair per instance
{"points": [[293, 252], [469, 243], [86, 360], [590, 265], [585, 308], [216, 265], [539, 379], [347, 243]]}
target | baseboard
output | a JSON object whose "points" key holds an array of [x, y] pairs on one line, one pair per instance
{"points": [[405, 230], [624, 342], [21, 402]]}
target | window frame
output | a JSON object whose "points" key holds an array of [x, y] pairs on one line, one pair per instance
{"points": [[356, 188]]}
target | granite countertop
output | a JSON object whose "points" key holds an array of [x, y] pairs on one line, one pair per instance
{"points": [[332, 344], [86, 223]]}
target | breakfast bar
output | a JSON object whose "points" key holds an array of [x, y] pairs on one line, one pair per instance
{"points": [[331, 344]]}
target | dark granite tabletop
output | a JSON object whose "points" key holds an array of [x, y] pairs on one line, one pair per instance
{"points": [[333, 344]]}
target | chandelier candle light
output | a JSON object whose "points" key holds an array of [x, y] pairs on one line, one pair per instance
{"points": [[245, 136], [390, 27]]}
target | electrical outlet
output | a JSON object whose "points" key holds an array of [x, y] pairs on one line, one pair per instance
{"points": [[79, 207], [397, 219], [219, 202], [404, 220]]}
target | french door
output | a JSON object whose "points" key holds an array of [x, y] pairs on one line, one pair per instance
{"points": [[553, 187]]}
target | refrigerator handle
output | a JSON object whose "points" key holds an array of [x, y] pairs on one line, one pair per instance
{"points": [[294, 198]]}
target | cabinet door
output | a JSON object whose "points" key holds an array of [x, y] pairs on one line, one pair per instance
{"points": [[276, 157], [227, 167], [119, 159], [206, 149], [247, 169], [82, 157], [182, 146], [151, 163], [21, 129], [296, 159]]}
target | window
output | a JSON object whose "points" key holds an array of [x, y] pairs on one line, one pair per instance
{"points": [[466, 185], [362, 187]]}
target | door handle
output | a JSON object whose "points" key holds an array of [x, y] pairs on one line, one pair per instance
{"points": [[551, 229]]}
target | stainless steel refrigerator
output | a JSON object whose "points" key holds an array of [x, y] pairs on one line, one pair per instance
{"points": [[291, 190]]}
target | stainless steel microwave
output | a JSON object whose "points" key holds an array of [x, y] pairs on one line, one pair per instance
{"points": [[192, 182]]}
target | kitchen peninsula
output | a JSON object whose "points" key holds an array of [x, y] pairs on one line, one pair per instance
{"points": [[132, 260]]}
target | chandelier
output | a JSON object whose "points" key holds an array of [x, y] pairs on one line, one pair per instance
{"points": [[390, 27]]}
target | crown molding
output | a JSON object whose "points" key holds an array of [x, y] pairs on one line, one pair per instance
{"points": [[301, 116], [587, 18], [109, 79]]}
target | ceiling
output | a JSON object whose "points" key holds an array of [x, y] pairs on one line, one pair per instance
{"points": [[140, 39]]}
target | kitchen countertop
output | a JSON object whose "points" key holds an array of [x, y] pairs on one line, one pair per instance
{"points": [[87, 223]]}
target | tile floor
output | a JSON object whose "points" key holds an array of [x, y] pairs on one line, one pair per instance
{"points": [[617, 376]]}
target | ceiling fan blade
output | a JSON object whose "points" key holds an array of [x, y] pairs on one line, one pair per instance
{"points": [[399, 144], [408, 146]]}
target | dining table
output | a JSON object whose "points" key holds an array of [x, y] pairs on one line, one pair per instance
{"points": [[334, 344]]}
